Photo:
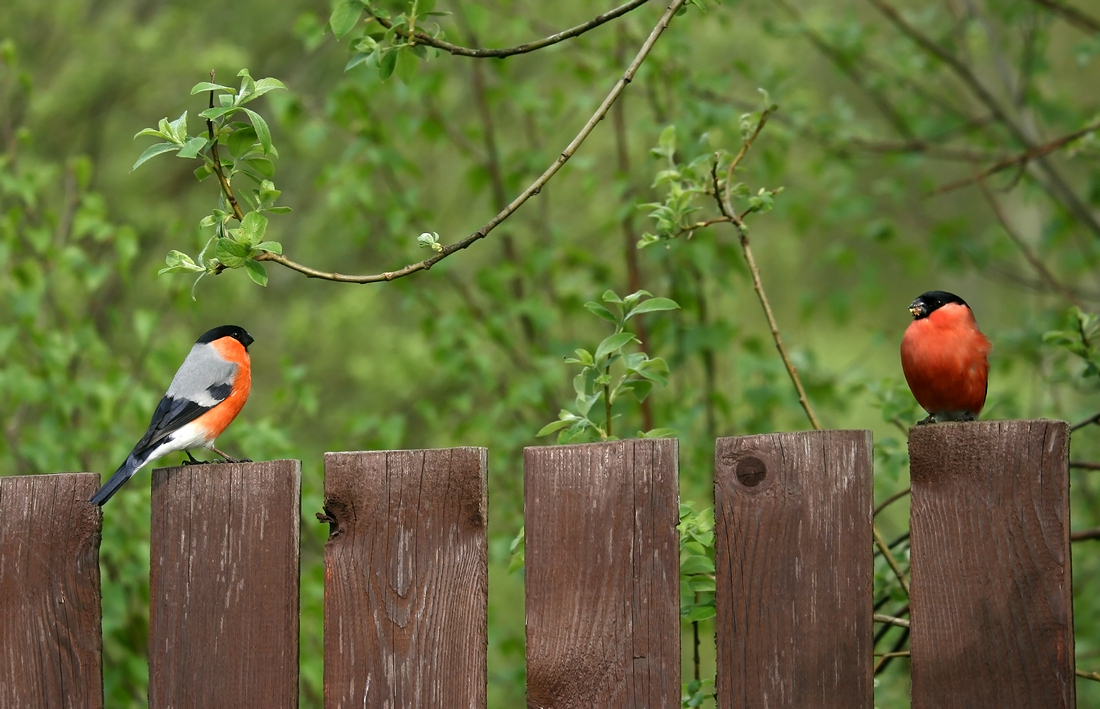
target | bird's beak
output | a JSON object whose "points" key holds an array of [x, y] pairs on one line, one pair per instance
{"points": [[915, 309]]}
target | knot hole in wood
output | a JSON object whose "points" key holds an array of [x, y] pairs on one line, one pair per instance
{"points": [[751, 471]]}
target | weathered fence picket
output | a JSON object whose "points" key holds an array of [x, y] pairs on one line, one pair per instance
{"points": [[223, 586], [51, 645], [992, 610], [602, 574], [406, 576], [794, 570]]}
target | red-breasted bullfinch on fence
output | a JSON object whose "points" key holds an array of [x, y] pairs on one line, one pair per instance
{"points": [[944, 357], [206, 394]]}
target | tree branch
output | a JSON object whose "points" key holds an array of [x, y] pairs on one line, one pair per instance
{"points": [[1083, 534], [422, 38], [226, 189], [1071, 15], [1053, 184], [891, 620], [532, 190], [1019, 159], [1029, 255]]}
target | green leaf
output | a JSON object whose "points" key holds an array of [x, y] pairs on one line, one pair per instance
{"points": [[407, 63], [262, 131], [651, 305], [260, 88], [241, 140], [386, 64], [696, 565], [154, 132], [277, 210], [697, 613], [263, 166], [344, 17], [215, 113], [252, 229], [273, 246], [230, 253], [177, 261], [600, 310], [554, 426], [202, 172], [179, 128], [207, 86], [609, 296], [256, 271], [661, 433], [613, 343], [192, 147], [154, 150]]}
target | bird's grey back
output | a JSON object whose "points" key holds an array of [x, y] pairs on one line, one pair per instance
{"points": [[204, 368]]}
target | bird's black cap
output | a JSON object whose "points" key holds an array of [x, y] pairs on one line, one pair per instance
{"points": [[933, 300], [235, 331]]}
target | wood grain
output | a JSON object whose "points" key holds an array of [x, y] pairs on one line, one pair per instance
{"points": [[51, 646], [406, 579], [992, 612], [794, 570], [602, 574], [223, 617]]}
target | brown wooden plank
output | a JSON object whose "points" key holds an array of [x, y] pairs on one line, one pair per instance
{"points": [[602, 574], [992, 612], [223, 586], [406, 578], [794, 570], [51, 644]]}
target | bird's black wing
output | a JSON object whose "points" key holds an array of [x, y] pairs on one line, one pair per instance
{"points": [[172, 414]]}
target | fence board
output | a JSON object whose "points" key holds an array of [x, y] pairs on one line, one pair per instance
{"points": [[992, 612], [602, 574], [794, 570], [406, 578], [50, 643], [223, 586]]}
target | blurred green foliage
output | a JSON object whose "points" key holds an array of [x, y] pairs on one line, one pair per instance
{"points": [[381, 141]]}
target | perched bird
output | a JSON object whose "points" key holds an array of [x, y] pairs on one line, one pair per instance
{"points": [[943, 355], [207, 393]]}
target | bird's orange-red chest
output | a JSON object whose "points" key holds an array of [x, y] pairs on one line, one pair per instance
{"points": [[945, 360], [223, 414]]}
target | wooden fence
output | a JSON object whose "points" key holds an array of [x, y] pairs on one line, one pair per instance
{"points": [[406, 578]]}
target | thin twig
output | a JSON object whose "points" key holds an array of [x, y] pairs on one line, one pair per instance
{"points": [[1021, 158], [1054, 184], [889, 556], [1084, 465], [1087, 422], [531, 191], [1071, 15], [891, 500], [422, 38], [1083, 534], [721, 196], [886, 655], [1029, 255], [218, 162], [1094, 676], [891, 620]]}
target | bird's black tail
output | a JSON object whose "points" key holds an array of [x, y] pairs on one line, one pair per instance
{"points": [[124, 473]]}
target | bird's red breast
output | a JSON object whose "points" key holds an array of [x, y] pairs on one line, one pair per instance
{"points": [[218, 418], [944, 358]]}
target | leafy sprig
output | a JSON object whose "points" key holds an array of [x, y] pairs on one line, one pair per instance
{"points": [[637, 371], [250, 152]]}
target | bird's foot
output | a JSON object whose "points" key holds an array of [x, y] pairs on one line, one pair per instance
{"points": [[927, 419], [191, 460]]}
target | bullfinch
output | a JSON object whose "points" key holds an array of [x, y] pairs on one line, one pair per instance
{"points": [[207, 393], [944, 358]]}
